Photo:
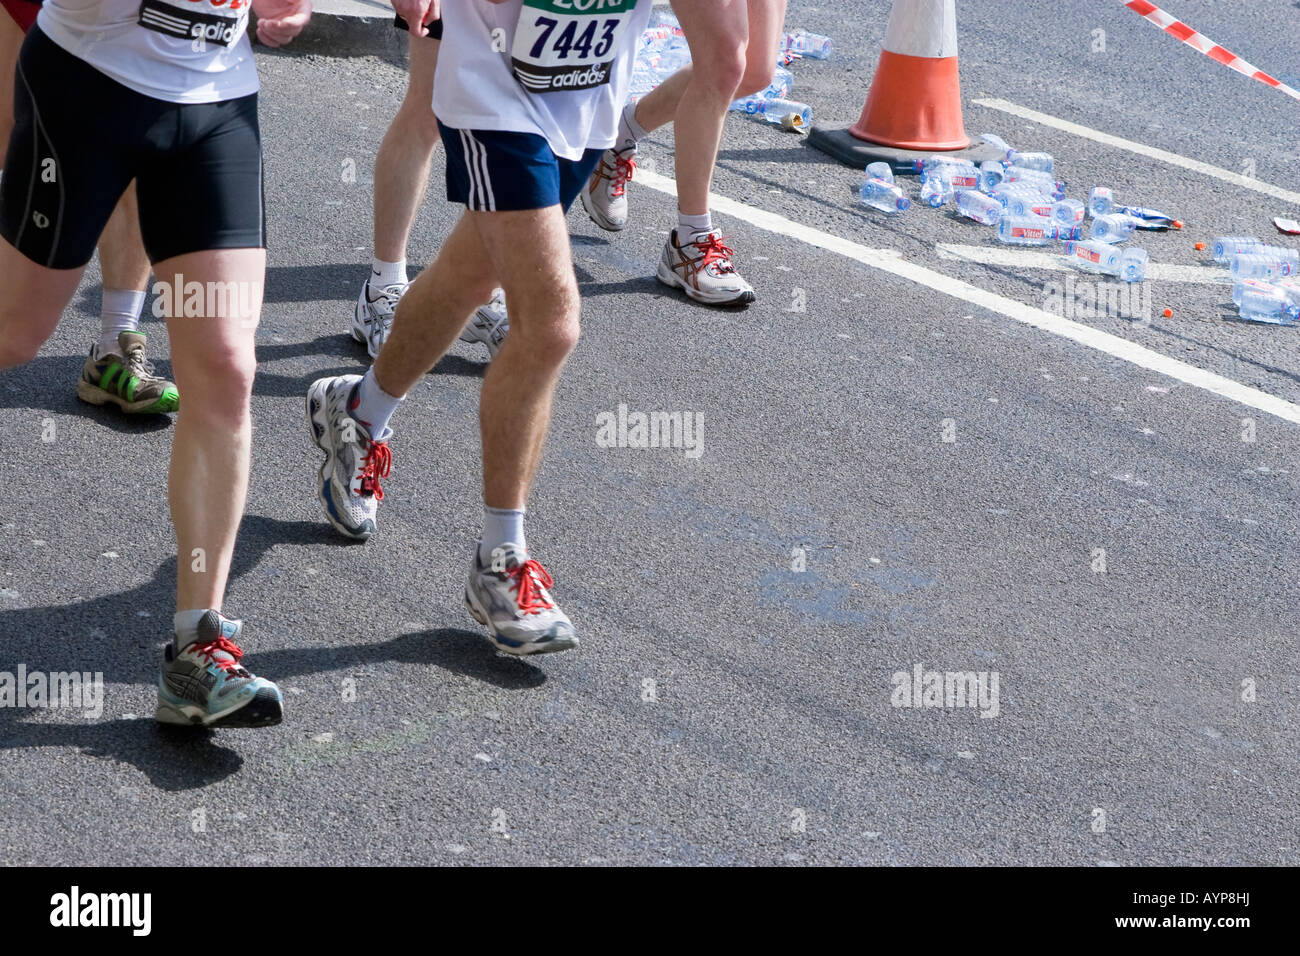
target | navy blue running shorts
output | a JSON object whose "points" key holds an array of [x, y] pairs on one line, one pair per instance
{"points": [[494, 171]]}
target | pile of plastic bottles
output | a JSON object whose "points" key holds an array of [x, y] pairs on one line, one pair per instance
{"points": [[1263, 289], [1021, 198], [664, 51]]}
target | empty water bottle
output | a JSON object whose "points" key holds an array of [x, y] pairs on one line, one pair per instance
{"points": [[781, 85], [1113, 227], [959, 175], [981, 208], [1097, 256], [887, 197], [880, 171], [1026, 230], [1101, 201], [936, 190], [1133, 264], [1267, 303], [991, 174], [1093, 256], [1016, 174], [1265, 262], [775, 110], [808, 44], [1068, 211], [1225, 247]]}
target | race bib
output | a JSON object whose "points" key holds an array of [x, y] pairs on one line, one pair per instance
{"points": [[568, 44], [220, 22]]}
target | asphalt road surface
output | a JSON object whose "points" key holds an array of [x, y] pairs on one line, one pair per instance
{"points": [[906, 461]]}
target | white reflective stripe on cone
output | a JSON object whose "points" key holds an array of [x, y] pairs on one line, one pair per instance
{"points": [[923, 28]]}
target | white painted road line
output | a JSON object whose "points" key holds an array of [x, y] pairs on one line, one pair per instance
{"points": [[888, 260], [1023, 259], [1246, 182]]}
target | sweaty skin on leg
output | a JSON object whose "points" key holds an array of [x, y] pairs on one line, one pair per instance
{"points": [[435, 309], [214, 362], [402, 165]]}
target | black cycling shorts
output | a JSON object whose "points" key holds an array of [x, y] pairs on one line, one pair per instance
{"points": [[434, 28], [80, 138]]}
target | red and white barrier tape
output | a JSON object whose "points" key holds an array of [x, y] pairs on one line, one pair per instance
{"points": [[1204, 44]]}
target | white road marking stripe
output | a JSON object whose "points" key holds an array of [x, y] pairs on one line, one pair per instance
{"points": [[888, 260], [1173, 159], [998, 256]]}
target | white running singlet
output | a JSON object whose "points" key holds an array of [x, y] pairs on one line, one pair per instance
{"points": [[558, 68], [180, 51]]}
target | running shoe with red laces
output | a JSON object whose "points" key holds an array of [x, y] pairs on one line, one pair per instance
{"points": [[704, 271], [348, 482], [605, 197], [204, 682], [512, 598]]}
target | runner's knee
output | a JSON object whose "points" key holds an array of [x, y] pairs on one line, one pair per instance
{"points": [[722, 72], [217, 383], [757, 77]]}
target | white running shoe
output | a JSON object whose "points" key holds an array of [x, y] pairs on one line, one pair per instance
{"points": [[489, 324], [348, 480], [605, 196], [512, 599], [372, 319], [704, 271]]}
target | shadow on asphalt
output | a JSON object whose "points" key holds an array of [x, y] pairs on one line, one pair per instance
{"points": [[453, 649], [103, 635]]}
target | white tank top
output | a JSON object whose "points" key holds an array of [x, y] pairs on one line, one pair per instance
{"points": [[190, 51], [558, 68]]}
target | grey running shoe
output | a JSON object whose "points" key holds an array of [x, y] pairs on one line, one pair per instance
{"points": [[348, 480], [512, 599], [489, 324], [204, 683]]}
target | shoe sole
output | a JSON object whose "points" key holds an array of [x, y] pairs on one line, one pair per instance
{"points": [[316, 402], [265, 709], [670, 278], [599, 218], [358, 325], [92, 394], [521, 650]]}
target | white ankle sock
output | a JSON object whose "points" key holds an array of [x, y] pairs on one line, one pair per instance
{"points": [[373, 407], [186, 626], [119, 311], [629, 130], [501, 526], [689, 228], [387, 273]]}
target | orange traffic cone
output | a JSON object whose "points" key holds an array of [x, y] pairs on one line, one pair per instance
{"points": [[914, 105]]}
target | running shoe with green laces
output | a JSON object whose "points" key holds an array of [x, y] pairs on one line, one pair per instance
{"points": [[126, 379]]}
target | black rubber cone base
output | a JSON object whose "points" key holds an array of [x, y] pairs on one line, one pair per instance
{"points": [[848, 149]]}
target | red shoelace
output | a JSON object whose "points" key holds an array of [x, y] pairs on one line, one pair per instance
{"points": [[623, 169], [530, 578], [377, 464], [713, 249], [209, 650]]}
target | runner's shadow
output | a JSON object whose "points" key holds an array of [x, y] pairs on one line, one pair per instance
{"points": [[49, 384], [459, 651], [103, 635]]}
